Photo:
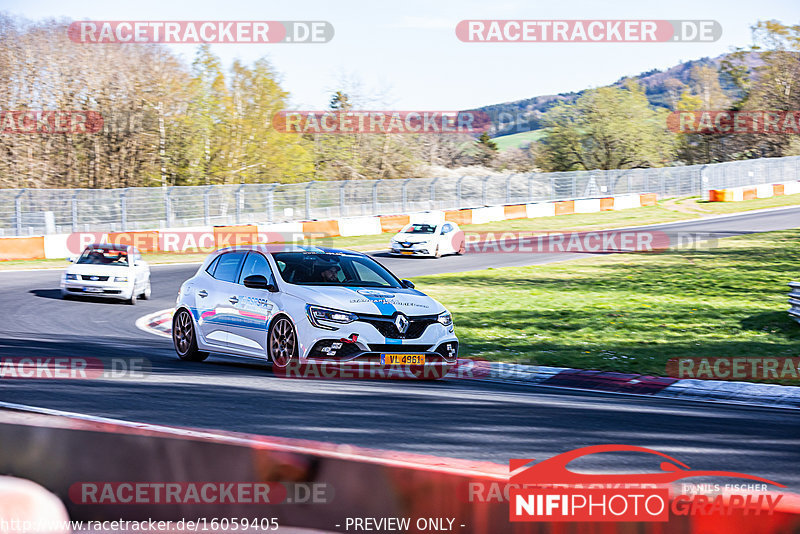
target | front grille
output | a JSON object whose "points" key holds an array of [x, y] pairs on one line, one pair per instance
{"points": [[344, 351], [416, 326], [399, 348], [94, 278]]}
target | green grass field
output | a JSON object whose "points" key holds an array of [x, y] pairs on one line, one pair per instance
{"points": [[630, 312], [517, 140]]}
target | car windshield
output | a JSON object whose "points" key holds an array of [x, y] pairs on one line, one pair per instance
{"points": [[332, 269], [420, 229], [104, 256]]}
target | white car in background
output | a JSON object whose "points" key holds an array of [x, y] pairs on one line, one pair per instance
{"points": [[428, 239], [109, 271]]}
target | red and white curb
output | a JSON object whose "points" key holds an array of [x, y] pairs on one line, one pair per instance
{"points": [[770, 395], [157, 323]]}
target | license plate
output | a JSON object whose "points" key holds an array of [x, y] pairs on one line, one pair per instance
{"points": [[402, 359], [406, 252], [92, 289]]}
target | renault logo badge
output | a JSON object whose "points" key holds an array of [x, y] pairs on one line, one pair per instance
{"points": [[401, 322]]}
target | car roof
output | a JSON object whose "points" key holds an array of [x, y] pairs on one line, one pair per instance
{"points": [[277, 248]]}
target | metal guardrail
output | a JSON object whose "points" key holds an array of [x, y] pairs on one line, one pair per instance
{"points": [[53, 211], [794, 300]]}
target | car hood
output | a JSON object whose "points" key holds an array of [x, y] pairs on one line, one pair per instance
{"points": [[372, 301], [99, 269], [414, 238]]}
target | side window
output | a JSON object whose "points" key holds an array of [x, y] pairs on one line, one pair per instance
{"points": [[212, 266], [255, 263], [228, 266]]}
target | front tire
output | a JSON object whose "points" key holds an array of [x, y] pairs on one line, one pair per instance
{"points": [[282, 342], [184, 338]]}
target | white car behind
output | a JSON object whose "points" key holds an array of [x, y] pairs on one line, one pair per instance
{"points": [[428, 239], [108, 271]]}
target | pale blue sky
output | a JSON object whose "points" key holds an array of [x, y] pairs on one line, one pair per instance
{"points": [[405, 54]]}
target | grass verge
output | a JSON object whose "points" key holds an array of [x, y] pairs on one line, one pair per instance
{"points": [[630, 312]]}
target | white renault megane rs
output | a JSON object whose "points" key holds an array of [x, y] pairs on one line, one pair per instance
{"points": [[309, 305]]}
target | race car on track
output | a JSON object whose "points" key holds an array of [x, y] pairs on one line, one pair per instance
{"points": [[309, 305], [428, 239], [109, 271]]}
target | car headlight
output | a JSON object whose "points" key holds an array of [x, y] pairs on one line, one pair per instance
{"points": [[70, 276], [445, 318], [120, 278], [317, 314]]}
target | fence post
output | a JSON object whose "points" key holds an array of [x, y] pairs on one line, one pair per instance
{"points": [[168, 205], [483, 190], [271, 203], [375, 208], [123, 201], [18, 210], [405, 195], [206, 215], [433, 192], [74, 203], [308, 199], [341, 198], [238, 202], [458, 192], [530, 186]]}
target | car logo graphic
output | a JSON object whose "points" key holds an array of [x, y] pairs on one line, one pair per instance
{"points": [[94, 278], [401, 322], [554, 470], [374, 293]]}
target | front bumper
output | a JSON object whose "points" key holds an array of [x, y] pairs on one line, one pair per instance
{"points": [[418, 249], [119, 290]]}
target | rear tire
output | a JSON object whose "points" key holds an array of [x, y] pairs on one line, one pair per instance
{"points": [[184, 338]]}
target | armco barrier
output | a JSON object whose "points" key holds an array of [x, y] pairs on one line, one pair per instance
{"points": [[55, 246], [794, 301], [58, 452]]}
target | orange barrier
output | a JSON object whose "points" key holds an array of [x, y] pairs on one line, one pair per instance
{"points": [[144, 241], [459, 216], [648, 199], [519, 211], [325, 228], [226, 236], [777, 189], [749, 194], [720, 195], [22, 248], [393, 223], [607, 204], [565, 207]]}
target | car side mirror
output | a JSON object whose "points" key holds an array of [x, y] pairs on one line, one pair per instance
{"points": [[259, 281], [407, 284], [70, 259]]}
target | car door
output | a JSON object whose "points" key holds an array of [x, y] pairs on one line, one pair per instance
{"points": [[141, 271], [215, 309], [446, 239], [254, 307]]}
